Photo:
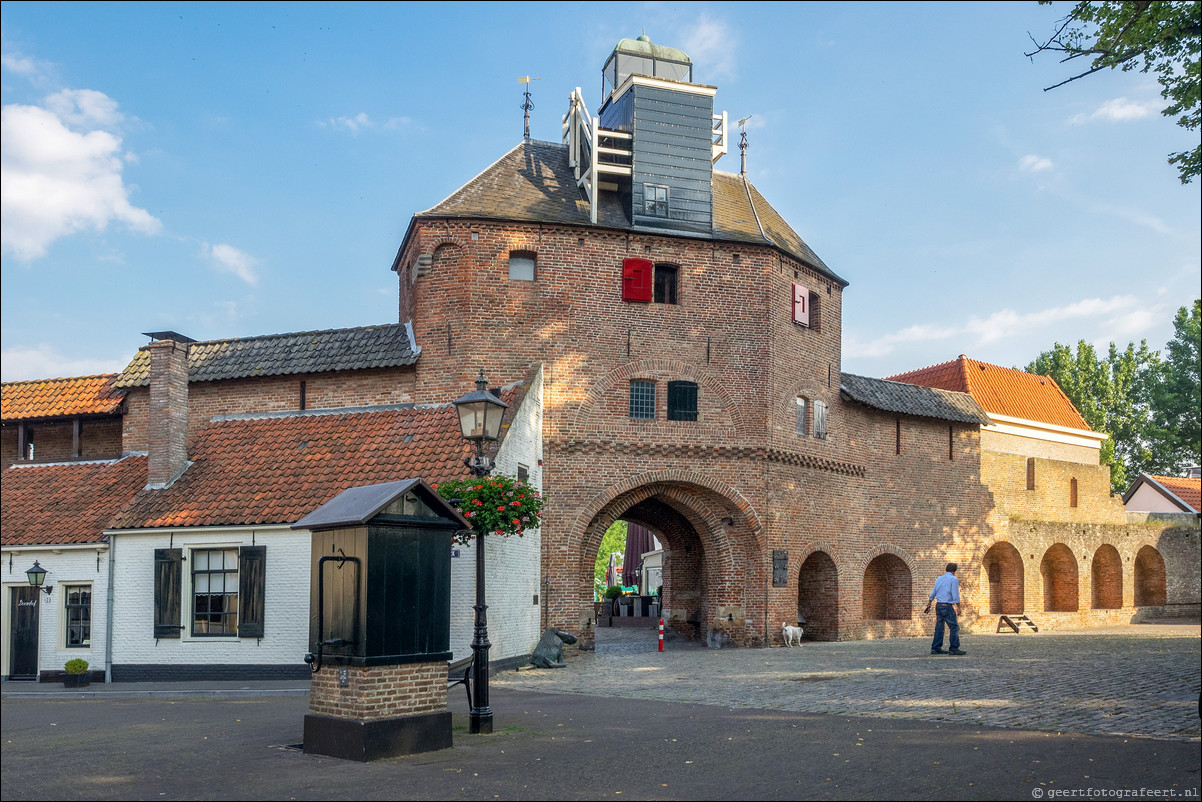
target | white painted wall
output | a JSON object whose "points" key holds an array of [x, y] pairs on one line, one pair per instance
{"points": [[65, 565], [1148, 499], [286, 602], [512, 565]]}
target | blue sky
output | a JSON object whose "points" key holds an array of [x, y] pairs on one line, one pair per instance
{"points": [[239, 169]]}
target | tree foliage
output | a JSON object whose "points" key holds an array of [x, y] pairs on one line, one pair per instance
{"points": [[1112, 394], [614, 540], [1161, 37], [1177, 430], [1149, 405]]}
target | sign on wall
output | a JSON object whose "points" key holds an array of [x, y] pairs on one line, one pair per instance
{"points": [[801, 305], [780, 568]]}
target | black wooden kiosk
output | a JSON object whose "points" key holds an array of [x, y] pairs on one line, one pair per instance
{"points": [[379, 621]]}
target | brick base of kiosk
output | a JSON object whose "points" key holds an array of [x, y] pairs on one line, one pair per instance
{"points": [[380, 712]]}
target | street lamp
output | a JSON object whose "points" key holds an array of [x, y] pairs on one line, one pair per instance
{"points": [[37, 576], [480, 414]]}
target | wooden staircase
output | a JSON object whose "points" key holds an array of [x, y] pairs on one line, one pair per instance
{"points": [[1016, 623]]}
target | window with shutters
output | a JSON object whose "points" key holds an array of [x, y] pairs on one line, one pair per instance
{"points": [[665, 283], [638, 284], [682, 401], [214, 592], [820, 420], [77, 618], [521, 266], [803, 416], [642, 399]]}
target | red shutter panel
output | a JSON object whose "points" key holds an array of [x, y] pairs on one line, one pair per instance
{"points": [[801, 305], [638, 280]]}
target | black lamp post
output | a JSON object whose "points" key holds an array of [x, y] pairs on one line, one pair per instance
{"points": [[480, 414], [37, 576]]}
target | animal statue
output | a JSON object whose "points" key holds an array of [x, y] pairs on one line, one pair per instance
{"points": [[549, 651]]}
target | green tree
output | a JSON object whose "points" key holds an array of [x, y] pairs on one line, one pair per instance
{"points": [[1176, 429], [1113, 395], [1160, 37], [614, 540]]}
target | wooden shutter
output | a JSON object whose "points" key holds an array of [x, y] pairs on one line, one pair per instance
{"points": [[168, 572], [638, 280], [682, 401], [801, 305], [252, 564]]}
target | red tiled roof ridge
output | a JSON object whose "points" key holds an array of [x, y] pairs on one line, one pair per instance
{"points": [[59, 379], [32, 399]]}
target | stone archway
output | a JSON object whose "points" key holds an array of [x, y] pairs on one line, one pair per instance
{"points": [[1150, 586], [1106, 578], [1004, 572], [818, 596], [711, 557], [888, 589]]}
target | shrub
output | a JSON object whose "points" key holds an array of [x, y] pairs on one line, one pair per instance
{"points": [[76, 666]]}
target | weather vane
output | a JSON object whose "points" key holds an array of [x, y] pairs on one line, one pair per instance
{"points": [[527, 105]]}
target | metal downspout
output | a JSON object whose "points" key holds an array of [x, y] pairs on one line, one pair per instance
{"points": [[108, 622]]}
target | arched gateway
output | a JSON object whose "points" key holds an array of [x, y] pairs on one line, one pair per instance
{"points": [[713, 557]]}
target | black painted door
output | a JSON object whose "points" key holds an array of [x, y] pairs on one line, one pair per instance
{"points": [[24, 631]]}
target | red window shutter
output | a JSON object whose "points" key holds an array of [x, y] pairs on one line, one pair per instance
{"points": [[801, 305], [638, 280]]}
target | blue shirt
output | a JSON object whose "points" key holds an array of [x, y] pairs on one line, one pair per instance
{"points": [[947, 590]]}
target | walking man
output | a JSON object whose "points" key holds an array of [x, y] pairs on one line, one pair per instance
{"points": [[946, 595]]}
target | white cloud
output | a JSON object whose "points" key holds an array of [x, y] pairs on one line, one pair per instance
{"points": [[60, 173], [363, 122], [1034, 164], [21, 65], [46, 362], [1003, 324], [229, 259], [1120, 110], [711, 43]]}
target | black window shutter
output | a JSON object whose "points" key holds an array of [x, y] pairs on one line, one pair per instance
{"points": [[252, 564], [682, 401], [168, 571]]}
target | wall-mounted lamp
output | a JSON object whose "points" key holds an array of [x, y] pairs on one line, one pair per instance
{"points": [[36, 576]]}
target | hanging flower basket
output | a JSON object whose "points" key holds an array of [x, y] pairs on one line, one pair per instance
{"points": [[495, 505]]}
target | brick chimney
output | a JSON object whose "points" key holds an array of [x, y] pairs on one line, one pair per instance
{"points": [[168, 431]]}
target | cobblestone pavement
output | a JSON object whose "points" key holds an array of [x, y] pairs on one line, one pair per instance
{"points": [[1140, 680]]}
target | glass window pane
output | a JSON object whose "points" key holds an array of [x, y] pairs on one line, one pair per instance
{"points": [[642, 399], [521, 267], [200, 561]]}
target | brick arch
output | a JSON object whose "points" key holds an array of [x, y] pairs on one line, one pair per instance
{"points": [[887, 591], [1059, 572], [818, 592], [1004, 575], [641, 367], [884, 548], [807, 387], [1149, 575], [1106, 578]]}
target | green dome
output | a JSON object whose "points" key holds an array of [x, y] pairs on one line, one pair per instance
{"points": [[644, 47]]}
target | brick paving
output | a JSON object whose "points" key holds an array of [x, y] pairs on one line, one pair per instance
{"points": [[1138, 681]]}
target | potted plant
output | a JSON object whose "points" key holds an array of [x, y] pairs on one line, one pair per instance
{"points": [[612, 592], [76, 673]]}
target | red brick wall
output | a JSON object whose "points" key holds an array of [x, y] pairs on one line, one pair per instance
{"points": [[98, 439], [274, 394]]}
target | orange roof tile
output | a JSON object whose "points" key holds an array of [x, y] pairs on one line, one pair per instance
{"points": [[1188, 490], [66, 502], [58, 398], [1001, 391], [275, 469]]}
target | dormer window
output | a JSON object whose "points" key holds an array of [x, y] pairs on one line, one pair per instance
{"points": [[655, 200]]}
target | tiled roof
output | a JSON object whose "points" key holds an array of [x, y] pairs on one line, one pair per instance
{"points": [[66, 502], [1001, 391], [534, 183], [59, 398], [1189, 491], [383, 346], [275, 469], [911, 399]]}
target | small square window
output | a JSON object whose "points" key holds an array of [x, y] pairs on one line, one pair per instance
{"points": [[820, 420], [803, 421], [655, 200], [665, 284], [521, 266], [642, 399], [682, 401]]}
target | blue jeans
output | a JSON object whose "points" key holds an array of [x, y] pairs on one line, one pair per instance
{"points": [[946, 614]]}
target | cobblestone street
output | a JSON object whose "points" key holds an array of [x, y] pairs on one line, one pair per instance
{"points": [[1140, 680]]}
